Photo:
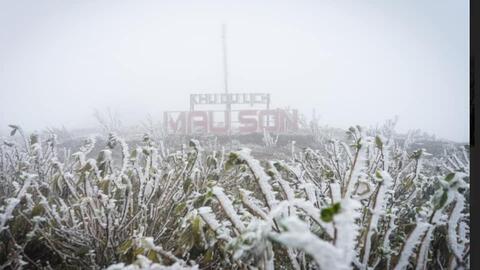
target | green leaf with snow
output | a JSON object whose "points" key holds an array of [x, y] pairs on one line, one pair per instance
{"points": [[327, 213], [378, 142], [449, 177]]}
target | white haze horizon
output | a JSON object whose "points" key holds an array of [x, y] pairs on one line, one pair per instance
{"points": [[353, 62]]}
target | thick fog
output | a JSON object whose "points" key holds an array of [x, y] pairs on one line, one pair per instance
{"points": [[354, 62]]}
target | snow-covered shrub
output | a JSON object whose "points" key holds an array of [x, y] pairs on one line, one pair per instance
{"points": [[361, 203]]}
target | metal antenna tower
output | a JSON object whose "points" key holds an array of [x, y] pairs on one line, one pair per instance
{"points": [[225, 76], [225, 66]]}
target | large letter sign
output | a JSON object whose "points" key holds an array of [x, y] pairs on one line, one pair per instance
{"points": [[248, 121], [242, 121], [198, 122], [222, 127], [175, 126]]}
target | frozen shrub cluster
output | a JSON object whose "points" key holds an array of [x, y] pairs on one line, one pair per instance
{"points": [[361, 203]]}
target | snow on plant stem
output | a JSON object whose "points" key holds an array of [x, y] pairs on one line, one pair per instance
{"points": [[13, 202], [347, 229], [228, 208], [379, 203], [298, 235], [356, 169], [453, 223], [260, 175], [409, 246]]}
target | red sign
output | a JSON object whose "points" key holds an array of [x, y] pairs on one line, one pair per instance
{"points": [[242, 121]]}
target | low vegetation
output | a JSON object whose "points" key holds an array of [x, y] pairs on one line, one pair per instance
{"points": [[365, 202]]}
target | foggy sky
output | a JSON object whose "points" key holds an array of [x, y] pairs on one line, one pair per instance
{"points": [[354, 62]]}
